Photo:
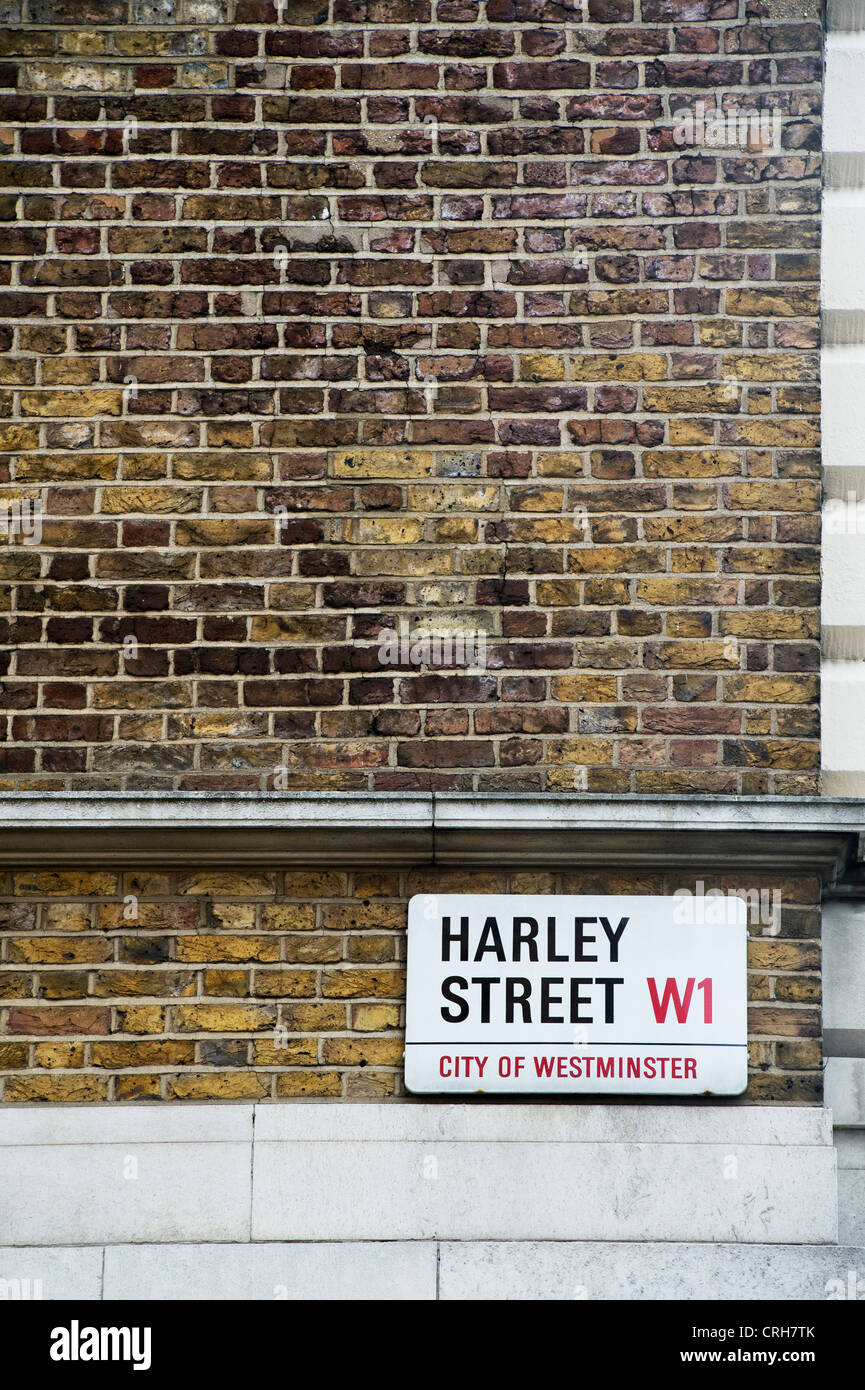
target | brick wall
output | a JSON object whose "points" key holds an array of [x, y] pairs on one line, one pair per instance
{"points": [[375, 310], [229, 985]]}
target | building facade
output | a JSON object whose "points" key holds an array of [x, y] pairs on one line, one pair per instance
{"points": [[413, 486]]}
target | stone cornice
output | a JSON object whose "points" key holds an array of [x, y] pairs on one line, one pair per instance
{"points": [[767, 834]]}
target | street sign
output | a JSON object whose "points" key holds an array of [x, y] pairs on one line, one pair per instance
{"points": [[599, 995]]}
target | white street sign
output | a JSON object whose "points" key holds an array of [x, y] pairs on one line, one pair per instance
{"points": [[546, 994]]}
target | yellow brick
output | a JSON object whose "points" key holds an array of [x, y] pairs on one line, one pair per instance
{"points": [[772, 496], [552, 529], [309, 1083], [769, 366], [802, 624], [680, 399], [421, 564], [786, 433], [65, 77], [234, 983], [454, 530], [374, 1018], [628, 366], [533, 883], [720, 333], [75, 884], [63, 404], [781, 1022], [561, 465], [323, 883], [165, 1053], [536, 499], [375, 885], [537, 366], [66, 917], [64, 1089], [359, 916], [559, 592], [796, 398], [228, 885], [353, 984], [691, 463], [457, 497], [313, 1018], [382, 530], [580, 752], [791, 303], [685, 625], [758, 723], [287, 917], [231, 916], [58, 1054], [586, 688], [223, 1018], [294, 1052], [207, 531], [204, 948], [800, 689], [806, 1053], [146, 916], [697, 655], [147, 885], [373, 1052], [141, 1018], [758, 987], [613, 559], [58, 950], [694, 559], [313, 950], [383, 463], [139, 1085], [369, 948], [772, 954], [455, 881], [14, 436], [798, 989], [157, 983], [222, 1085], [221, 466], [84, 44], [772, 1087], [691, 431], [782, 753], [68, 373], [129, 500], [679, 592], [369, 1085], [285, 984], [306, 627], [15, 985]]}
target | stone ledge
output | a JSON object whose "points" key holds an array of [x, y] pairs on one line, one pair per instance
{"points": [[758, 834], [408, 1270]]}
